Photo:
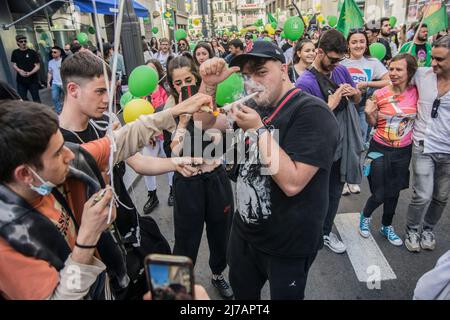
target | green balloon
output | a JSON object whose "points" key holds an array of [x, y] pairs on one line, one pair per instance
{"points": [[126, 97], [82, 38], [91, 30], [155, 30], [143, 81], [180, 34], [377, 50], [269, 39], [392, 21], [282, 35], [332, 21], [229, 90], [294, 28], [254, 37]]}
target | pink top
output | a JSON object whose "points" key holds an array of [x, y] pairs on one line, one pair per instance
{"points": [[158, 99], [396, 114]]}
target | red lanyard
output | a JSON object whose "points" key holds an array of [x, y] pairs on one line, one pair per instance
{"points": [[281, 105]]}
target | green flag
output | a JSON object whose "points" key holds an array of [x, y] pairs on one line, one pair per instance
{"points": [[436, 22], [350, 17], [271, 19]]}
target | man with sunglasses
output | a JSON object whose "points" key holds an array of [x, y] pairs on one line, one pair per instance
{"points": [[431, 150], [326, 72], [27, 63]]}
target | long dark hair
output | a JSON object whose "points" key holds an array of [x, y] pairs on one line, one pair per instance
{"points": [[159, 70], [207, 47], [178, 63], [299, 47], [367, 51]]}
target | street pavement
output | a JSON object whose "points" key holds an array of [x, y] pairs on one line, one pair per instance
{"points": [[332, 276]]}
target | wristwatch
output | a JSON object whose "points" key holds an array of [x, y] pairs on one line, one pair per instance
{"points": [[263, 129]]}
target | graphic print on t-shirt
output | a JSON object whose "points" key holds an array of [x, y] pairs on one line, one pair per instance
{"points": [[253, 202], [360, 75], [421, 56]]}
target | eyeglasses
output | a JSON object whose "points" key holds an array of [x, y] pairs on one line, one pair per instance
{"points": [[434, 110], [334, 60]]}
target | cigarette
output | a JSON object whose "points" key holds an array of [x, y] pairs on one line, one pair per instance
{"points": [[228, 106]]}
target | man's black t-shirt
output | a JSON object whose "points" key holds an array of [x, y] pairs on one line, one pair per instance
{"points": [[388, 55], [268, 219], [25, 60]]}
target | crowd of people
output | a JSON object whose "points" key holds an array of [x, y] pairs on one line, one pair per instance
{"points": [[338, 113]]}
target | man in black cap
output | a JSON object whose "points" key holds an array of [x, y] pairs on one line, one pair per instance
{"points": [[26, 62], [281, 184]]}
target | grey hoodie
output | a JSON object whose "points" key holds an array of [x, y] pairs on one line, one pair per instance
{"points": [[435, 284]]}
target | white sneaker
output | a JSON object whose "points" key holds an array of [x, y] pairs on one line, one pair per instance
{"points": [[346, 190], [354, 188], [333, 242], [412, 240], [427, 241]]}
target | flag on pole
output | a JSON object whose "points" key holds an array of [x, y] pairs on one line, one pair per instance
{"points": [[350, 17], [437, 21], [271, 19]]}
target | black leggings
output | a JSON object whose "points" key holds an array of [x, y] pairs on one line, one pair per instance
{"points": [[389, 175], [206, 198]]}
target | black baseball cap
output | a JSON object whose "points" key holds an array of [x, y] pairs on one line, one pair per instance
{"points": [[261, 49]]}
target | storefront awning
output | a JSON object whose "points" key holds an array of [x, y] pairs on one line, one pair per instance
{"points": [[109, 7]]}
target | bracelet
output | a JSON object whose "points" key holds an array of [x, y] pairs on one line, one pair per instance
{"points": [[81, 246]]}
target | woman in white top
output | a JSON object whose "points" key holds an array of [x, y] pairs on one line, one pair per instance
{"points": [[368, 74], [303, 57]]}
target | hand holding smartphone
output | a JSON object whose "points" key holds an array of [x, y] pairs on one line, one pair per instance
{"points": [[170, 277]]}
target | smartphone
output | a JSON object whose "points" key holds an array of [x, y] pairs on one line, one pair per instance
{"points": [[170, 277], [188, 91]]}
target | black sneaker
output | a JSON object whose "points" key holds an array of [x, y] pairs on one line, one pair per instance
{"points": [[171, 198], [151, 203], [224, 288]]}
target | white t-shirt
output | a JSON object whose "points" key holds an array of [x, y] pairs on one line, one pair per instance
{"points": [[54, 67], [365, 69], [434, 132]]}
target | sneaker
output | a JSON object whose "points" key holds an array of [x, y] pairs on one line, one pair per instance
{"points": [[412, 241], [151, 203], [354, 188], [222, 286], [364, 226], [171, 198], [333, 242], [346, 190], [389, 233], [427, 241]]}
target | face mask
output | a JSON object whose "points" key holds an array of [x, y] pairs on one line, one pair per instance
{"points": [[45, 188]]}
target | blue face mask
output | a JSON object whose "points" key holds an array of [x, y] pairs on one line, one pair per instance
{"points": [[45, 188]]}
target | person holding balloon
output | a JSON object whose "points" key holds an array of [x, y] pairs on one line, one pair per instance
{"points": [[207, 196]]}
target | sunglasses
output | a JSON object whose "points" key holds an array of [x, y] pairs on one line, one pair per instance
{"points": [[334, 60], [54, 51], [434, 110], [22, 41], [357, 30]]}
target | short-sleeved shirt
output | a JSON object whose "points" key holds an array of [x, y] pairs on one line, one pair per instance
{"points": [[23, 277], [308, 82], [54, 67], [25, 60], [396, 115], [365, 69], [266, 217]]}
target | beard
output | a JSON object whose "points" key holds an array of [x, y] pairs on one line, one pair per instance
{"points": [[421, 39], [384, 34]]}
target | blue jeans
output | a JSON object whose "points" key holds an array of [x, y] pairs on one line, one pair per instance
{"points": [[57, 96], [431, 186]]}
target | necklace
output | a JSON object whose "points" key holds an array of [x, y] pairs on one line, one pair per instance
{"points": [[79, 138]]}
